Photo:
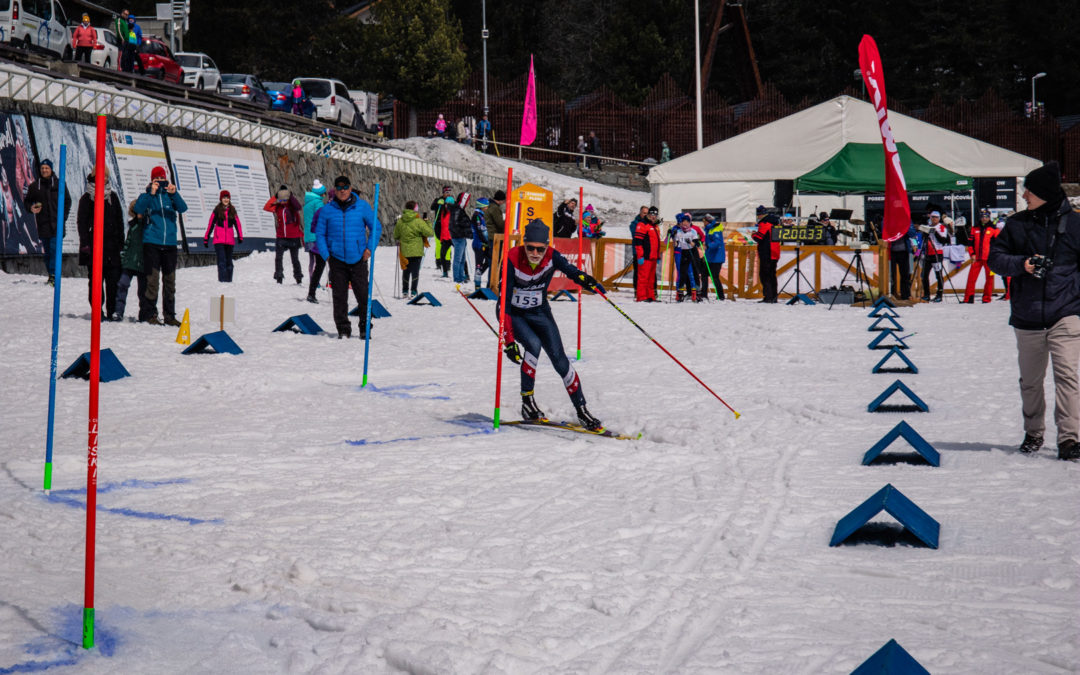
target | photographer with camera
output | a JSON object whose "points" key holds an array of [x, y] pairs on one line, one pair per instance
{"points": [[935, 239], [1040, 248], [159, 204]]}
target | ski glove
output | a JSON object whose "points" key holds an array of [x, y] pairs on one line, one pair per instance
{"points": [[513, 352], [590, 284]]}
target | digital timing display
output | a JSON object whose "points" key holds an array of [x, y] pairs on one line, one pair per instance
{"points": [[797, 233]]}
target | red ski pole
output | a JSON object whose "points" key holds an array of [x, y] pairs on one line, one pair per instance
{"points": [[502, 290], [646, 334]]}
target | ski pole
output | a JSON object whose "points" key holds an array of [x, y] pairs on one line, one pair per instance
{"points": [[493, 331], [370, 290], [58, 264], [646, 334]]}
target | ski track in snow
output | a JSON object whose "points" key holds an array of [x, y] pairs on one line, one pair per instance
{"points": [[437, 547]]}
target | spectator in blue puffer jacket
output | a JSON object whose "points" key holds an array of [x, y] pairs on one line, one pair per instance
{"points": [[347, 235], [313, 201], [715, 255], [159, 205]]}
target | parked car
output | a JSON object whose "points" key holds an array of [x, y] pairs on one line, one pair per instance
{"points": [[36, 24], [200, 71], [107, 52], [331, 99], [281, 98], [246, 88], [158, 60]]}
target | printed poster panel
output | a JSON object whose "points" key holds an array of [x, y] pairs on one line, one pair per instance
{"points": [[18, 228], [136, 156], [202, 170], [80, 139]]}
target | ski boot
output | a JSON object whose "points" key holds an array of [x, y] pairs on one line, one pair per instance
{"points": [[678, 296], [530, 412], [587, 420], [694, 297]]}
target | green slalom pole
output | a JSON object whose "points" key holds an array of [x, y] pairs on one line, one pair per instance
{"points": [[716, 284]]}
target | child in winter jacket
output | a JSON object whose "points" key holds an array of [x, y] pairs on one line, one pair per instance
{"points": [[591, 225], [313, 201], [223, 221], [131, 263]]}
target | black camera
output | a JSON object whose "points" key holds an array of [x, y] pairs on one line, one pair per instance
{"points": [[1042, 265]]}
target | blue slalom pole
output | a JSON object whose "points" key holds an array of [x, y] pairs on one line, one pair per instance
{"points": [[55, 319], [370, 290]]}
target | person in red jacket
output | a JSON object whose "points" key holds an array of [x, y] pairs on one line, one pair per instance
{"points": [[981, 236], [768, 254], [289, 230], [646, 252], [83, 40]]}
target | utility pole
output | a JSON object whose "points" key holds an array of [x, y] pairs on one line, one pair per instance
{"points": [[484, 37]]}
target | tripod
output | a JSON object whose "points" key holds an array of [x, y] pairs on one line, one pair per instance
{"points": [[798, 276], [860, 277]]}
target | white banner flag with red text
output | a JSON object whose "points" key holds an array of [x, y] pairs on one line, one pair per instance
{"points": [[897, 209], [528, 118]]}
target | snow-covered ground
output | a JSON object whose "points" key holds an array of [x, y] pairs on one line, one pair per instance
{"points": [[263, 513], [615, 206]]}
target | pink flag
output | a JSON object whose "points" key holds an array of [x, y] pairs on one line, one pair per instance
{"points": [[897, 209], [528, 118]]}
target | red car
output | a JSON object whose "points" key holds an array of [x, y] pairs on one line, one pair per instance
{"points": [[158, 61]]}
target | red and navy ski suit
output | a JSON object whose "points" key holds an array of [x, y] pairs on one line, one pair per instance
{"points": [[529, 319], [646, 251], [981, 236]]}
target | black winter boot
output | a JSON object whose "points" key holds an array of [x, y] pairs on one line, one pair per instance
{"points": [[587, 420], [1069, 451], [530, 412], [1031, 444]]}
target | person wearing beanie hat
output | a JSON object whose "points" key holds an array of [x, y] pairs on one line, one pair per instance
{"points": [[42, 198], [768, 252], [347, 232], [460, 232], [982, 233], [1040, 249], [112, 242], [932, 255], [411, 232], [288, 230], [313, 203], [715, 255], [159, 204], [131, 60], [83, 41], [647, 251], [224, 222], [529, 321], [441, 225], [687, 244]]}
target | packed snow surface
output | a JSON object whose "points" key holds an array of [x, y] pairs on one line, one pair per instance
{"points": [[264, 513]]}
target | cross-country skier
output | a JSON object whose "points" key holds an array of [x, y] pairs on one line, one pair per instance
{"points": [[530, 322]]}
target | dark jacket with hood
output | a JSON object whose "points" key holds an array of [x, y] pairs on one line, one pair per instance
{"points": [[46, 191], [112, 237], [1052, 230]]}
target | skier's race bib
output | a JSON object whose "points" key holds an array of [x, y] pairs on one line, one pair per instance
{"points": [[527, 299]]}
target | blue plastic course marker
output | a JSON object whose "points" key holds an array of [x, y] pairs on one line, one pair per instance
{"points": [[428, 297], [377, 310], [882, 341], [484, 293], [564, 294], [904, 430], [891, 501], [892, 659], [217, 342], [895, 351], [884, 300], [883, 310], [890, 324], [917, 404], [111, 368], [302, 323]]}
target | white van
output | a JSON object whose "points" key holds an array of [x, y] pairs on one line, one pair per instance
{"points": [[331, 99], [35, 24]]}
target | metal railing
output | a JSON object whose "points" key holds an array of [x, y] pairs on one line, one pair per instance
{"points": [[20, 84]]}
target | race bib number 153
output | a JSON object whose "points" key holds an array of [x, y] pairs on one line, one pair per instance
{"points": [[527, 299]]}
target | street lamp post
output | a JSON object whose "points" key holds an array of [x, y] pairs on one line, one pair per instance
{"points": [[484, 37], [697, 71], [1035, 77]]}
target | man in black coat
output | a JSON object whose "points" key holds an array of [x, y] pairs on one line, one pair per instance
{"points": [[112, 242], [566, 219], [1040, 249], [42, 197]]}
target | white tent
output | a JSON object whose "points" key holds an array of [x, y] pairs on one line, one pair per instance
{"points": [[738, 174]]}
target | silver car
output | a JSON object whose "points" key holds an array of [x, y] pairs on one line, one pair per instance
{"points": [[246, 88]]}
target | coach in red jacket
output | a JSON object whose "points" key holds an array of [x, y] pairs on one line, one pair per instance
{"points": [[981, 236], [646, 253], [768, 252]]}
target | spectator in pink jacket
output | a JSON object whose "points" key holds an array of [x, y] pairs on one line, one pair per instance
{"points": [[83, 39], [289, 230], [223, 220]]}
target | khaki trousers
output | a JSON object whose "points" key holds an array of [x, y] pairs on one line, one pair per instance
{"points": [[1061, 344]]}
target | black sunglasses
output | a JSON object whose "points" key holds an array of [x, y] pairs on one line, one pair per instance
{"points": [[535, 249]]}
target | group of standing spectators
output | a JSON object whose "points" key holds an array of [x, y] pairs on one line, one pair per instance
{"points": [[699, 254]]}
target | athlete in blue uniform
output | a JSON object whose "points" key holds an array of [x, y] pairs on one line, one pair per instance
{"points": [[531, 268]]}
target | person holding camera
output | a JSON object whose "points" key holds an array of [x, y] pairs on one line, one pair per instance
{"points": [[935, 239], [288, 230], [159, 204], [1040, 249]]}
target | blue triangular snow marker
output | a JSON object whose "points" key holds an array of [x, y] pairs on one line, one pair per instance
{"points": [[892, 324], [218, 341], [109, 368], [425, 296], [895, 351], [883, 336], [883, 310], [884, 300], [892, 659], [564, 293], [303, 323], [892, 501], [921, 446], [483, 294], [377, 310], [877, 404], [800, 297]]}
